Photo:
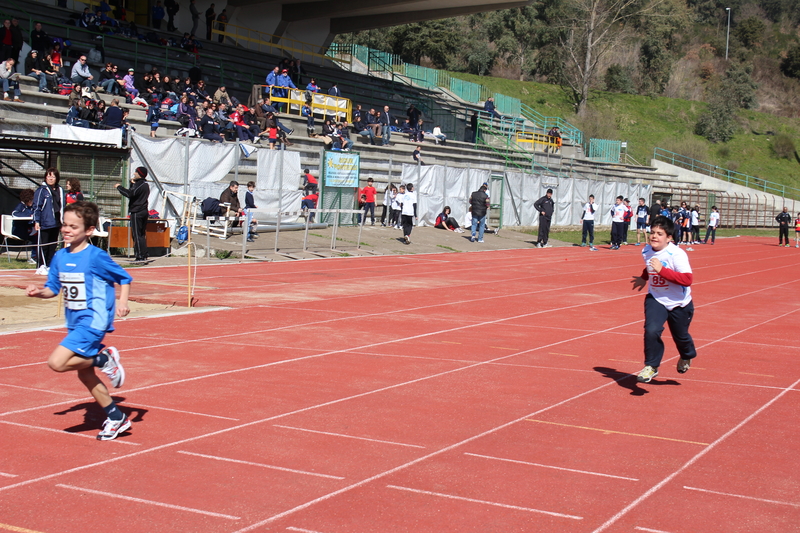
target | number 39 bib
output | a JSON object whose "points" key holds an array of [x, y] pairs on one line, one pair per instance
{"points": [[73, 288]]}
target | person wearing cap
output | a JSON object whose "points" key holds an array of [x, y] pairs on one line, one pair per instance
{"points": [[34, 66], [282, 85], [138, 196], [545, 206], [130, 81]]}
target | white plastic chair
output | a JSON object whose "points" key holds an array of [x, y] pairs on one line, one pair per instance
{"points": [[7, 227]]}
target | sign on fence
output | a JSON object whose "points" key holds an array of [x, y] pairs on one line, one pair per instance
{"points": [[342, 169]]}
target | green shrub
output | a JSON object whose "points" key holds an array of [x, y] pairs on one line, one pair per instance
{"points": [[619, 79], [783, 146]]}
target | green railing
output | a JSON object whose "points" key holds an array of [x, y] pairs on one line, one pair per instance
{"points": [[568, 131], [466, 90], [725, 174], [604, 150], [508, 105]]}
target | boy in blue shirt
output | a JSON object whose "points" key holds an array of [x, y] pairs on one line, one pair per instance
{"points": [[86, 276]]}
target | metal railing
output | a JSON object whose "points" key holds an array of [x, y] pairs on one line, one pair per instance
{"points": [[568, 131], [725, 174], [322, 105]]}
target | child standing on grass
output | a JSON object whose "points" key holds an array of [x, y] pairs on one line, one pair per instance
{"points": [[86, 275], [669, 299]]}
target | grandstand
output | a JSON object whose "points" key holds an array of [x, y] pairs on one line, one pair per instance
{"points": [[502, 146]]}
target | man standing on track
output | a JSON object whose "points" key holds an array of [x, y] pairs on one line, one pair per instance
{"points": [[479, 205], [784, 218], [545, 206]]}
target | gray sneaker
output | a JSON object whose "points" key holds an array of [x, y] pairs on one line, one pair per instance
{"points": [[647, 374], [683, 365], [113, 368]]}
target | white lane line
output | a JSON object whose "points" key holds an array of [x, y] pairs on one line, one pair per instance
{"points": [[301, 530], [611, 521], [62, 432], [24, 365], [648, 530], [262, 465], [495, 504], [3, 474], [149, 502], [348, 436], [777, 502], [137, 404], [551, 466], [41, 390]]}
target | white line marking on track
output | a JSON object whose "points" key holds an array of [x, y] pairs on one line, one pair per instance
{"points": [[42, 390], [495, 504], [137, 404], [763, 500], [650, 530], [3, 474], [62, 432], [611, 521], [150, 502], [20, 366], [348, 436], [550, 466], [262, 465], [301, 530]]}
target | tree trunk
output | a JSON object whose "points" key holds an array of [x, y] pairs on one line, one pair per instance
{"points": [[587, 64]]}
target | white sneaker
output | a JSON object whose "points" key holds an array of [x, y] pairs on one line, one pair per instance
{"points": [[112, 428], [42, 271], [113, 369]]}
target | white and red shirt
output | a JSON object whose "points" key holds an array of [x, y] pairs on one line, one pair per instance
{"points": [[672, 286], [618, 212]]}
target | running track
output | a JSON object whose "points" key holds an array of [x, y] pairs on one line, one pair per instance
{"points": [[476, 392]]}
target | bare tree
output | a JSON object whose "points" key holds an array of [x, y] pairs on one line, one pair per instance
{"points": [[589, 30]]}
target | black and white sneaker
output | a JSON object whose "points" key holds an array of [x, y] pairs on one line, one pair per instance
{"points": [[683, 365], [112, 428]]}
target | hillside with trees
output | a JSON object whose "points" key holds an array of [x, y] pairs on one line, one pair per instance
{"points": [[612, 66]]}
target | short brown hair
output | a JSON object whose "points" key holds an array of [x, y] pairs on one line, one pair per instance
{"points": [[26, 195], [251, 184], [86, 211]]}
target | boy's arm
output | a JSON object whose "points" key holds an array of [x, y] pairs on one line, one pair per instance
{"points": [[122, 307], [36, 292]]}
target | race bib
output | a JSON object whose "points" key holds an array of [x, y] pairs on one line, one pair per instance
{"points": [[73, 288]]}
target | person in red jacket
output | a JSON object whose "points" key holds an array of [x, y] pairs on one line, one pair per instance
{"points": [[369, 193]]}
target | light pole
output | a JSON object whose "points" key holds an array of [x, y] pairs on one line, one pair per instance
{"points": [[728, 36]]}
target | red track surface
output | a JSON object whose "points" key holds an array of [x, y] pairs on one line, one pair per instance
{"points": [[480, 392]]}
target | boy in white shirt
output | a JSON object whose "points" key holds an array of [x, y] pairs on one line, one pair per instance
{"points": [[669, 299], [713, 222], [589, 209], [618, 223]]}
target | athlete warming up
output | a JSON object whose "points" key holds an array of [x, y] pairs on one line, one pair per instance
{"points": [[669, 299], [86, 275]]}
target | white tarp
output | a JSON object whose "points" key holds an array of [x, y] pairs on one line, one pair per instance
{"points": [[279, 181], [437, 186], [74, 133], [522, 190]]}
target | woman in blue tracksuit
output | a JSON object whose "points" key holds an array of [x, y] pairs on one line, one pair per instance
{"points": [[48, 213]]}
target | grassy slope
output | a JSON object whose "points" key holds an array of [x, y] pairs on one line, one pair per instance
{"points": [[647, 123]]}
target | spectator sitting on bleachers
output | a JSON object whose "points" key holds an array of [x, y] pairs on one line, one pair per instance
{"points": [[35, 67], [109, 81], [417, 155], [221, 96], [55, 55], [373, 122], [9, 79], [187, 114], [226, 126], [312, 86], [87, 113], [113, 117], [488, 106], [40, 40], [25, 230], [81, 74], [361, 128], [438, 135], [209, 127], [74, 115], [99, 111], [130, 83], [88, 20], [188, 89], [202, 92], [243, 130], [269, 108], [342, 133], [170, 88]]}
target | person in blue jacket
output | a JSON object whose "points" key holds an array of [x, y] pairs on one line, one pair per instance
{"points": [[48, 213]]}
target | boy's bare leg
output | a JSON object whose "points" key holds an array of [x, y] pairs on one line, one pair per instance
{"points": [[65, 360]]}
